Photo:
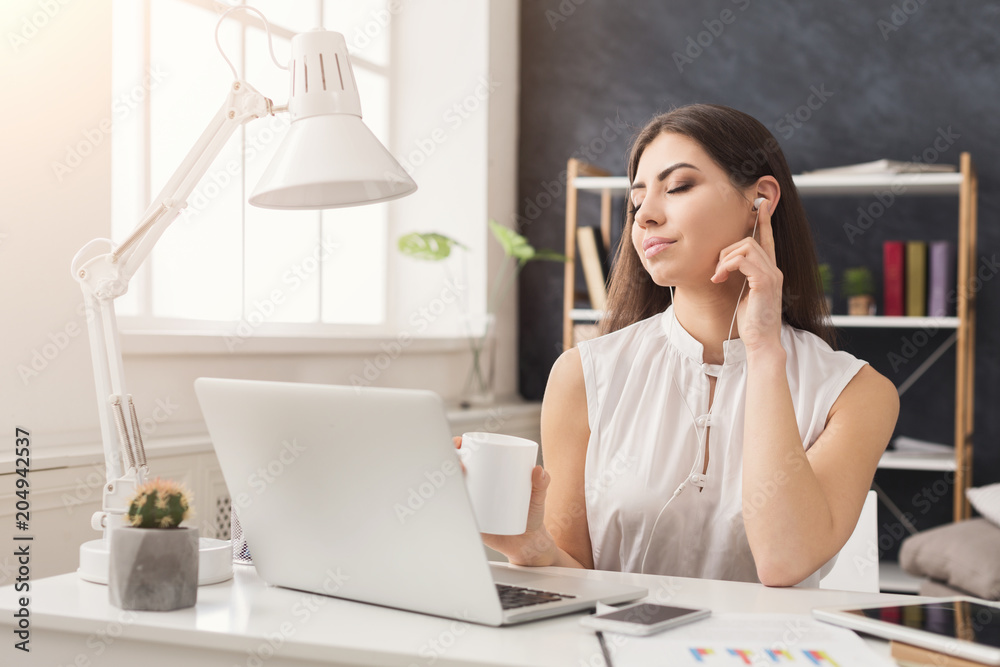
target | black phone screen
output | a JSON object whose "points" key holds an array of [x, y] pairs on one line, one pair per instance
{"points": [[959, 619], [647, 614]]}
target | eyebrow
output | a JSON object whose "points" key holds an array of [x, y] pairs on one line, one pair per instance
{"points": [[663, 174]]}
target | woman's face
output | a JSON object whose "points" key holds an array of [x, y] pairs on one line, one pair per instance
{"points": [[687, 211]]}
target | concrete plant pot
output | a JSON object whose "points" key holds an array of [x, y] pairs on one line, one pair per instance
{"points": [[153, 569], [863, 304]]}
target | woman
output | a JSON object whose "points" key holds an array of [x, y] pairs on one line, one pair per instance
{"points": [[712, 432]]}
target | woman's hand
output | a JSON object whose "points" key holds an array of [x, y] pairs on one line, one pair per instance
{"points": [[535, 546], [759, 311]]}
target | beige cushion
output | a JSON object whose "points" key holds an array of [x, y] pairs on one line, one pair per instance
{"points": [[986, 500], [963, 555], [935, 589]]}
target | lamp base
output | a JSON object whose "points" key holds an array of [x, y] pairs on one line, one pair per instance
{"points": [[215, 561]]}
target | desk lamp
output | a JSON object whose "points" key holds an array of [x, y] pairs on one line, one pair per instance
{"points": [[329, 159]]}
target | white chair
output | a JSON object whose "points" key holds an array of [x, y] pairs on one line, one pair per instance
{"points": [[856, 568]]}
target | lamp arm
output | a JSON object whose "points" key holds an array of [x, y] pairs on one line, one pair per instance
{"points": [[243, 104], [104, 271]]}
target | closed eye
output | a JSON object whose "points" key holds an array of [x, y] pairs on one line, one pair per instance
{"points": [[679, 189]]}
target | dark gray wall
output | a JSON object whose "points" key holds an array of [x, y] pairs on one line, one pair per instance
{"points": [[885, 79]]}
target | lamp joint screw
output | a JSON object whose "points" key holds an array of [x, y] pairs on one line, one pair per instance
{"points": [[111, 487], [232, 114], [236, 86], [83, 273]]}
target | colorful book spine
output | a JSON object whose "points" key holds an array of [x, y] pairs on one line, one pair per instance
{"points": [[941, 278], [916, 278], [893, 278]]}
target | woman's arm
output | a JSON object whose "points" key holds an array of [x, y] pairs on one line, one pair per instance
{"points": [[565, 433], [800, 507], [557, 532]]}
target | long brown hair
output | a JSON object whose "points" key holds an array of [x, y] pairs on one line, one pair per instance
{"points": [[746, 150]]}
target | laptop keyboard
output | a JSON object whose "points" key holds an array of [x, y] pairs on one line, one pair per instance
{"points": [[512, 597]]}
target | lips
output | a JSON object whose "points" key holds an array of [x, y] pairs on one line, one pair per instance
{"points": [[656, 244]]}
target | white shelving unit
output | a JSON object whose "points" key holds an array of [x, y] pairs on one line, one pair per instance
{"points": [[856, 321], [893, 460], [582, 177], [881, 322], [892, 579]]}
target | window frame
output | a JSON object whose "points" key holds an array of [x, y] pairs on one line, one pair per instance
{"points": [[146, 333]]}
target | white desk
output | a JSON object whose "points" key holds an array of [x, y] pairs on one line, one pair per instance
{"points": [[245, 622]]}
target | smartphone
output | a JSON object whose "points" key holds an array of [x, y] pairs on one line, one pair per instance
{"points": [[643, 618]]}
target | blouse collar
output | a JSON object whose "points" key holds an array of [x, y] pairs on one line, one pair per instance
{"points": [[688, 345]]}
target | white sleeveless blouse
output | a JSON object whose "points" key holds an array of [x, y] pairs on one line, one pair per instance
{"points": [[643, 444]]}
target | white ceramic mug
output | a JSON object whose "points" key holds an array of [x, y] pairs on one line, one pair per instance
{"points": [[498, 476]]}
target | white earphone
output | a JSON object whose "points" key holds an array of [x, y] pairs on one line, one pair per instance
{"points": [[692, 477]]}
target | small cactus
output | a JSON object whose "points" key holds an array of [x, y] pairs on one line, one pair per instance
{"points": [[160, 503]]}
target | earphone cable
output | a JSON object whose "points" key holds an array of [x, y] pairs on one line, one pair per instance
{"points": [[694, 420]]}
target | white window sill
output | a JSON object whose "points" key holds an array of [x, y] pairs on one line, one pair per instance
{"points": [[196, 342], [511, 415], [84, 449]]}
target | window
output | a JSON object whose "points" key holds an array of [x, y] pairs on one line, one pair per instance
{"points": [[224, 265]]}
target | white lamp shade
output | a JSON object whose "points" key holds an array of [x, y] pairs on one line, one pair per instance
{"points": [[330, 158], [330, 161]]}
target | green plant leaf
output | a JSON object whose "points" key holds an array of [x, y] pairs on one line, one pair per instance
{"points": [[514, 245], [428, 246], [826, 278], [858, 281], [547, 255]]}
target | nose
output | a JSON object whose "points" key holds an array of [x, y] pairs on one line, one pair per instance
{"points": [[643, 218]]}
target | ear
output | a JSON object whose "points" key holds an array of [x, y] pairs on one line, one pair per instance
{"points": [[768, 188]]}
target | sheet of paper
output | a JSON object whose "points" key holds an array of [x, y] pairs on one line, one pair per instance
{"points": [[746, 639]]}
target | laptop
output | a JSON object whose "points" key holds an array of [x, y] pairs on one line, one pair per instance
{"points": [[357, 493]]}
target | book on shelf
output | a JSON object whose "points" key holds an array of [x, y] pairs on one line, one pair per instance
{"points": [[893, 278], [885, 167], [916, 278], [591, 251], [940, 278]]}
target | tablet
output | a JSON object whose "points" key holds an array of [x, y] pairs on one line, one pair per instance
{"points": [[964, 627]]}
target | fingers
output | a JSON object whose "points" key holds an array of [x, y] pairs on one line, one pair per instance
{"points": [[539, 486], [539, 480], [535, 545], [766, 231], [765, 234], [742, 247], [759, 271], [734, 247], [458, 445], [743, 255]]}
